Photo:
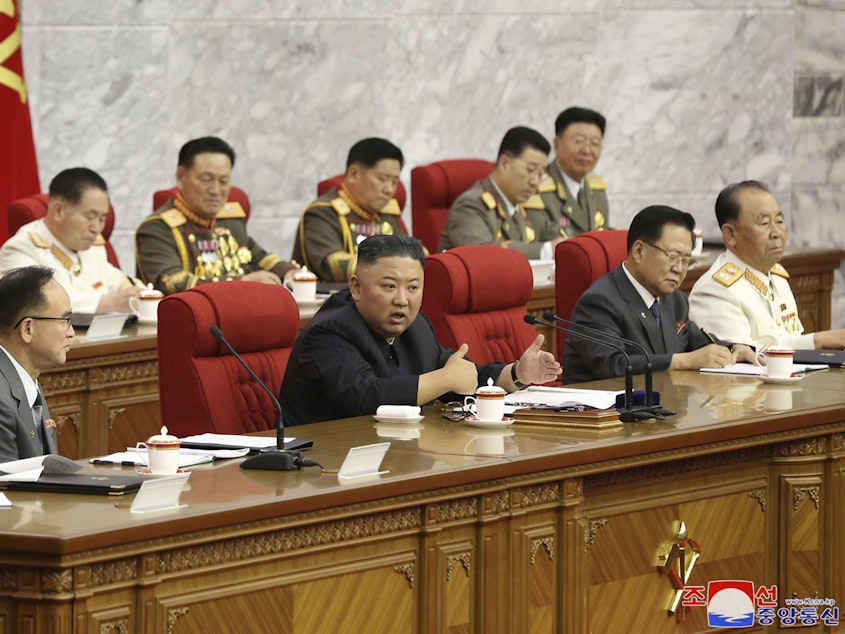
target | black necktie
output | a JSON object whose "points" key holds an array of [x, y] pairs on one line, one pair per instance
{"points": [[655, 311]]}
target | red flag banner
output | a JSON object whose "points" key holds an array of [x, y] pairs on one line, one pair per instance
{"points": [[18, 166]]}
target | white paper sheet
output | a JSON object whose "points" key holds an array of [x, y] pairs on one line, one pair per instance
{"points": [[560, 396]]}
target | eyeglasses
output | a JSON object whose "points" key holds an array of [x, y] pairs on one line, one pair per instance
{"points": [[685, 261], [580, 142], [455, 411], [65, 319], [534, 171]]}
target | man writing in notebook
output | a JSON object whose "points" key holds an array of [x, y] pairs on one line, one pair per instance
{"points": [[639, 300], [35, 334]]}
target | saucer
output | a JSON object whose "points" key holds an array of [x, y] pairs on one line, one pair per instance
{"points": [[473, 421], [398, 420], [783, 380], [146, 471], [147, 322]]}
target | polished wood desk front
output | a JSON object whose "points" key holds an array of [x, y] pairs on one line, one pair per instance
{"points": [[472, 530]]}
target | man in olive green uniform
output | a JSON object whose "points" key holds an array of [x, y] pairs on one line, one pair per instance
{"points": [[495, 210], [575, 201], [332, 227], [198, 237]]}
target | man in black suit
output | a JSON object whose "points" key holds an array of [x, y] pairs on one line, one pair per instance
{"points": [[35, 334], [640, 301], [369, 346]]}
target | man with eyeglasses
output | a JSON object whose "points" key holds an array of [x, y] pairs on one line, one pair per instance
{"points": [[640, 301], [495, 210], [35, 334], [69, 240], [574, 199], [745, 294]]}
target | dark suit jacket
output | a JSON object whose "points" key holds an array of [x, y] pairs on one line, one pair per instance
{"points": [[17, 429], [613, 305], [339, 368]]}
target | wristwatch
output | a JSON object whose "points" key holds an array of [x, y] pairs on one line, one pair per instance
{"points": [[515, 380]]}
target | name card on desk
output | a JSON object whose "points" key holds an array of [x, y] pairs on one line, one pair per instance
{"points": [[363, 461], [159, 494]]}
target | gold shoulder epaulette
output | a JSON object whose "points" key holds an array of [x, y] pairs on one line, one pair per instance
{"points": [[340, 206], [100, 241], [38, 241], [547, 185], [535, 202], [231, 210], [392, 208], [778, 270], [728, 274], [596, 183], [489, 200], [172, 218]]}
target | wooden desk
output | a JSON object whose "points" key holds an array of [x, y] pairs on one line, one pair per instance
{"points": [[547, 532]]}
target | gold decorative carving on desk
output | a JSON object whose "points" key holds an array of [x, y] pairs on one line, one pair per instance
{"points": [[408, 570], [547, 542], [465, 558], [590, 536], [800, 492], [760, 496]]}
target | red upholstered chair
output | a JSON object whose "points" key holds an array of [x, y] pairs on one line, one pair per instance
{"points": [[477, 295], [579, 262], [435, 187], [202, 386], [25, 210], [400, 195], [236, 194]]}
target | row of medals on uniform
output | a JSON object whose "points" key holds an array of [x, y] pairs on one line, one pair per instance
{"points": [[221, 256]]}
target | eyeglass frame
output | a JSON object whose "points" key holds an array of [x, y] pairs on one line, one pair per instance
{"points": [[65, 319], [687, 261], [540, 173], [579, 142]]}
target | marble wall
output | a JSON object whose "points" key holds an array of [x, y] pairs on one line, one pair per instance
{"points": [[697, 94]]}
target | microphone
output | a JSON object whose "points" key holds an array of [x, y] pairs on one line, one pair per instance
{"points": [[628, 413], [278, 459], [649, 391]]}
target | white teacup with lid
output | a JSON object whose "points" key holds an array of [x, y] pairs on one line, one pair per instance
{"points": [[145, 306], [162, 452], [778, 361], [489, 402], [304, 285]]}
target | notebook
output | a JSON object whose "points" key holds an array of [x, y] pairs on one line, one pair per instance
{"points": [[832, 358], [100, 484]]}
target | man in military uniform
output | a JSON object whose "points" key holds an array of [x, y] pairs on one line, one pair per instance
{"points": [[494, 211], [198, 237], [745, 295], [332, 227], [575, 200], [69, 241]]}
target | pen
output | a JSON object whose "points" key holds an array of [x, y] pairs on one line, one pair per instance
{"points": [[123, 463]]}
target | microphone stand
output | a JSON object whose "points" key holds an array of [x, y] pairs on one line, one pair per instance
{"points": [[629, 413], [655, 407], [278, 459]]}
